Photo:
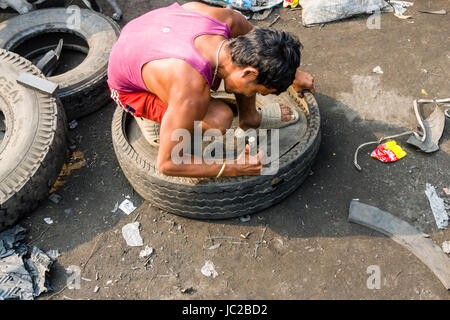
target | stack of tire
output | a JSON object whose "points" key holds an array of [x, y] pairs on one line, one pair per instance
{"points": [[33, 125]]}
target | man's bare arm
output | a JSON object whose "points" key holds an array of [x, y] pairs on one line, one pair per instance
{"points": [[186, 105]]}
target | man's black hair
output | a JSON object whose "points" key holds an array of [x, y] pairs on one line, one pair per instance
{"points": [[274, 53]]}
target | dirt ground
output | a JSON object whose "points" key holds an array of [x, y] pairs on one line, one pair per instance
{"points": [[310, 250]]}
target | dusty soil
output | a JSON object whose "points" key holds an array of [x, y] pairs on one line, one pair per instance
{"points": [[310, 250]]}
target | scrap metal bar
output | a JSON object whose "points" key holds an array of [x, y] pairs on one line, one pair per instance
{"points": [[404, 234]]}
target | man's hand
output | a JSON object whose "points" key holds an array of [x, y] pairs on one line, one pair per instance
{"points": [[303, 81], [247, 164]]}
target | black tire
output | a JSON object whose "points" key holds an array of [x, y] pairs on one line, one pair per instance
{"points": [[211, 198], [32, 150], [83, 89]]}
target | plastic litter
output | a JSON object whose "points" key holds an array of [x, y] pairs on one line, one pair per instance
{"points": [[437, 206], [147, 252], [400, 8], [446, 247], [127, 206], [317, 12], [246, 218], [48, 220], [214, 247], [131, 235], [290, 3], [209, 270], [378, 70], [388, 152], [245, 5], [355, 158]]}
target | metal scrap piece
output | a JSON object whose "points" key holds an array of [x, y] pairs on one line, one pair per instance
{"points": [[404, 234], [40, 84], [432, 128], [437, 206], [442, 12]]}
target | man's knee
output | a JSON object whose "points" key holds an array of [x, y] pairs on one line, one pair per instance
{"points": [[226, 119], [221, 118]]}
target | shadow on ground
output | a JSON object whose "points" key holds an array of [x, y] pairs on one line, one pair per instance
{"points": [[308, 238]]}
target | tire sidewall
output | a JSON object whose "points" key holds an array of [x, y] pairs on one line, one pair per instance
{"points": [[21, 107], [97, 30], [206, 196]]}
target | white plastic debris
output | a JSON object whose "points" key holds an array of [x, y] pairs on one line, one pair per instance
{"points": [[437, 206], [246, 218], [216, 246], [446, 247], [147, 252], [378, 70], [209, 270], [400, 8], [131, 235], [116, 207], [48, 221], [315, 12], [127, 206]]}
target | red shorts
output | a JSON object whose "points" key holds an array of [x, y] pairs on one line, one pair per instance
{"points": [[140, 104]]}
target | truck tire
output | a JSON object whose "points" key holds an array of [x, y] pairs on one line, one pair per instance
{"points": [[87, 35], [211, 198], [32, 142]]}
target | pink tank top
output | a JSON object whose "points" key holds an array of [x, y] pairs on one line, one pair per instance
{"points": [[163, 33]]}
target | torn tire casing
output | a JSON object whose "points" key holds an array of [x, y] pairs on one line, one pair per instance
{"points": [[32, 150], [226, 197]]}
